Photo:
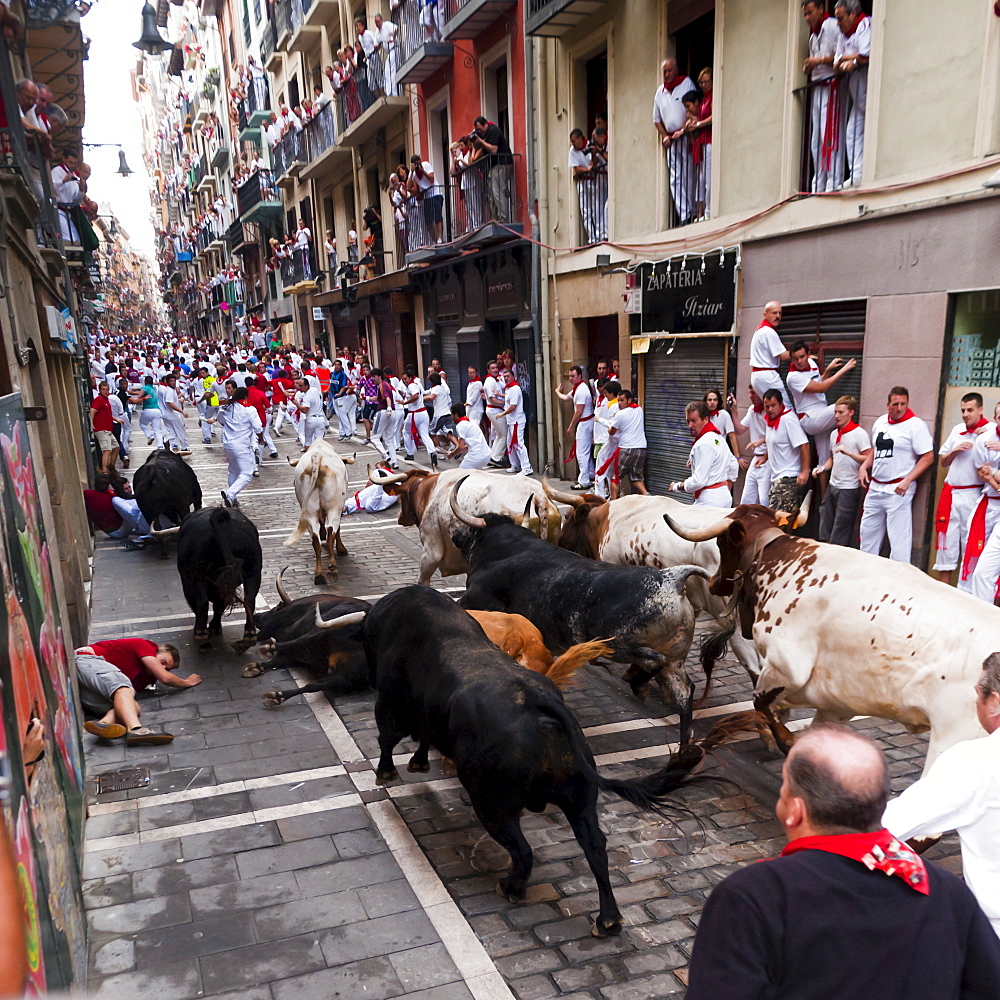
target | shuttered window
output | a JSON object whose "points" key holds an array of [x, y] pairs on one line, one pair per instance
{"points": [[832, 330]]}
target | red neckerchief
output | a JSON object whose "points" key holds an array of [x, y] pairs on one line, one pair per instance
{"points": [[677, 80], [877, 851], [460, 419], [759, 409], [635, 406], [850, 34], [906, 416], [816, 30], [512, 381], [709, 428], [972, 430], [774, 423], [765, 322], [848, 427]]}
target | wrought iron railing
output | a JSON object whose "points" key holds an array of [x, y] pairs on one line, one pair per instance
{"points": [[290, 149], [259, 187], [592, 199], [258, 100], [321, 132], [282, 17], [268, 41], [296, 268], [688, 167], [418, 24], [353, 100], [825, 162]]}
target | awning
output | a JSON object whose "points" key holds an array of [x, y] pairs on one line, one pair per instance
{"points": [[391, 282]]}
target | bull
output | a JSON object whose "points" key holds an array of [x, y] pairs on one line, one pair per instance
{"points": [[165, 488], [321, 489], [423, 502], [572, 599], [515, 745], [849, 633], [219, 561]]}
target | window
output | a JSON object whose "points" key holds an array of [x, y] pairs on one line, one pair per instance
{"points": [[293, 92], [691, 24], [495, 99]]}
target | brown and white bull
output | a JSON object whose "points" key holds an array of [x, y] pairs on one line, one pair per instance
{"points": [[321, 490], [424, 502], [630, 531], [849, 633]]}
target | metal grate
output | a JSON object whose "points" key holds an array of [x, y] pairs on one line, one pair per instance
{"points": [[122, 779]]}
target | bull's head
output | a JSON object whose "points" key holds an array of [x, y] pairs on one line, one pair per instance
{"points": [[575, 535], [403, 485]]}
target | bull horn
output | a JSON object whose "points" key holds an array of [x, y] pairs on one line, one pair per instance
{"points": [[351, 460], [342, 622], [383, 478], [163, 532], [469, 519], [524, 519], [572, 499], [280, 587], [698, 534], [292, 462], [803, 514]]}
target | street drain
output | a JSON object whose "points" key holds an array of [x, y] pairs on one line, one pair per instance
{"points": [[122, 779]]}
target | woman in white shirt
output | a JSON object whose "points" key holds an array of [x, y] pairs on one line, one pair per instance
{"points": [[721, 418]]}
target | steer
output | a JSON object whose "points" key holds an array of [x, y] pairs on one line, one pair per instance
{"points": [[165, 488], [218, 553], [630, 531], [423, 501], [849, 633], [573, 599], [321, 489], [515, 745]]}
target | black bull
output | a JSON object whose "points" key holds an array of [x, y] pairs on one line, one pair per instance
{"points": [[218, 553], [165, 488], [515, 745], [572, 599]]}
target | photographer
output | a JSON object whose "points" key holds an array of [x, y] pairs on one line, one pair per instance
{"points": [[581, 167], [492, 143]]}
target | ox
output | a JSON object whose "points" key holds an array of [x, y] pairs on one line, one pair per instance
{"points": [[515, 745], [630, 531], [849, 633], [321, 489], [218, 554], [165, 488], [423, 501], [572, 599]]}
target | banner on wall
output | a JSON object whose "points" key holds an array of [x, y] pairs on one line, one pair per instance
{"points": [[44, 808]]}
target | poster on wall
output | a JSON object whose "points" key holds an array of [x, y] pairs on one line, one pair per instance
{"points": [[43, 811]]}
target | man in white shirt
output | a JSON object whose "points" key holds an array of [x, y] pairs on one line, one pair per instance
{"points": [[627, 436], [469, 440], [513, 412], [961, 792], [767, 352], [757, 481], [493, 396], [848, 446], [439, 396], [606, 459], [422, 185], [309, 403], [581, 427], [172, 415], [668, 117], [981, 556], [851, 57], [385, 33], [962, 486], [474, 404], [824, 127], [580, 165], [240, 427], [713, 465], [416, 426], [903, 451], [787, 454], [809, 388]]}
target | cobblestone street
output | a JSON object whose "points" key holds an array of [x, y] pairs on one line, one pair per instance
{"points": [[262, 862]]}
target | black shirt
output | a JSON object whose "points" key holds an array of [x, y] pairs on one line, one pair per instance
{"points": [[817, 926], [495, 137]]}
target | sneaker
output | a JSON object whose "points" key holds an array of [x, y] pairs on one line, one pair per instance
{"points": [[582, 486], [256, 473], [434, 460], [226, 500], [142, 736], [274, 454], [409, 458], [106, 730], [512, 471], [125, 462], [526, 472], [184, 451], [493, 465]]}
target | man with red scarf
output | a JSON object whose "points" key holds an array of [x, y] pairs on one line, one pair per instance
{"points": [[962, 486], [847, 910], [903, 452], [849, 447], [668, 117], [825, 139], [713, 466], [851, 57], [787, 454], [980, 574]]}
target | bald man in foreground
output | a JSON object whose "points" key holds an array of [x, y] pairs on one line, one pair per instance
{"points": [[847, 912]]}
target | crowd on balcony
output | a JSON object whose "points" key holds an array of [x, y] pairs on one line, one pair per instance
{"points": [[292, 256], [588, 168]]}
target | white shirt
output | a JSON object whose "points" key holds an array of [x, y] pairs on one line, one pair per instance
{"points": [[423, 180], [960, 792], [469, 432], [258, 339], [441, 399], [578, 158], [240, 424], [711, 462], [824, 44], [167, 395], [512, 396], [416, 386], [602, 419], [368, 41], [803, 401], [859, 44], [302, 237], [844, 475], [962, 471], [981, 455], [313, 398], [387, 35], [897, 448], [668, 109], [754, 421], [723, 422], [492, 387], [766, 347], [783, 444], [630, 432], [117, 410], [474, 398], [582, 396]]}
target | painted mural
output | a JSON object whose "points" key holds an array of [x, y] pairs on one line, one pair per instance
{"points": [[43, 809]]}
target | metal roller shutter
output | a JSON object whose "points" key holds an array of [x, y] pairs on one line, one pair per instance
{"points": [[833, 330], [449, 356], [671, 381]]}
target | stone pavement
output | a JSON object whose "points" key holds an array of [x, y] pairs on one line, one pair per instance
{"points": [[262, 863]]}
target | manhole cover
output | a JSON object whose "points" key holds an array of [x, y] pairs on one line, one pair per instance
{"points": [[122, 779]]}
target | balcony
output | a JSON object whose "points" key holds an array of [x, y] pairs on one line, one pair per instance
{"points": [[320, 12], [257, 198], [468, 18], [282, 23], [288, 156], [422, 48], [270, 57], [592, 200], [826, 106], [204, 178], [297, 274], [254, 110], [360, 112], [235, 236], [218, 154], [305, 30], [321, 142], [554, 18]]}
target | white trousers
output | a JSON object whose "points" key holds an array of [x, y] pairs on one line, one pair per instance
{"points": [[825, 177], [423, 428], [132, 519], [756, 483], [818, 424], [681, 178], [721, 496], [470, 463], [888, 512], [346, 407], [988, 573], [126, 432], [313, 428], [394, 431], [703, 181], [280, 416], [268, 440], [241, 469], [854, 138], [585, 452], [963, 503], [498, 434], [762, 381], [299, 423], [173, 426], [379, 427], [151, 424], [518, 453], [602, 481]]}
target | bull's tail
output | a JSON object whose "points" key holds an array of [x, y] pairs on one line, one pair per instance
{"points": [[230, 578], [678, 575], [562, 669], [712, 649], [308, 475]]}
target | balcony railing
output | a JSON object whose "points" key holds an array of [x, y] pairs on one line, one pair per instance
{"points": [[555, 17], [825, 161], [355, 98], [592, 199], [467, 18], [321, 132], [296, 269], [255, 108], [199, 169], [282, 20], [257, 190], [422, 47], [289, 150], [268, 41], [689, 163]]}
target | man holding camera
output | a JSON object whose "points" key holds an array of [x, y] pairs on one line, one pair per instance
{"points": [[487, 137]]}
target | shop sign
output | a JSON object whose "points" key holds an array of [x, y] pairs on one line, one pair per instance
{"points": [[690, 294], [318, 314]]}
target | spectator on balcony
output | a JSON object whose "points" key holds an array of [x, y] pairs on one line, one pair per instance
{"points": [[320, 100], [348, 72], [272, 131], [851, 57], [375, 246], [398, 197], [303, 248], [66, 185], [581, 170], [385, 35], [43, 99], [257, 86], [368, 41], [352, 242], [432, 20], [823, 97], [488, 137], [599, 161], [330, 247], [470, 182], [422, 186], [668, 117], [701, 151]]}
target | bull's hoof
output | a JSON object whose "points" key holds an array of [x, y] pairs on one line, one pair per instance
{"points": [[215, 629], [418, 766], [603, 927], [272, 699], [512, 891], [448, 768], [252, 670], [320, 580], [203, 640], [268, 650], [242, 645], [384, 777]]}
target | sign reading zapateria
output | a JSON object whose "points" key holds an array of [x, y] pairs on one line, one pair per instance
{"points": [[690, 294]]}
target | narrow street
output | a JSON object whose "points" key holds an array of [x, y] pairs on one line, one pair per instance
{"points": [[262, 862]]}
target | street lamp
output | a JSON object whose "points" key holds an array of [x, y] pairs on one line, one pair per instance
{"points": [[123, 168], [151, 41]]}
